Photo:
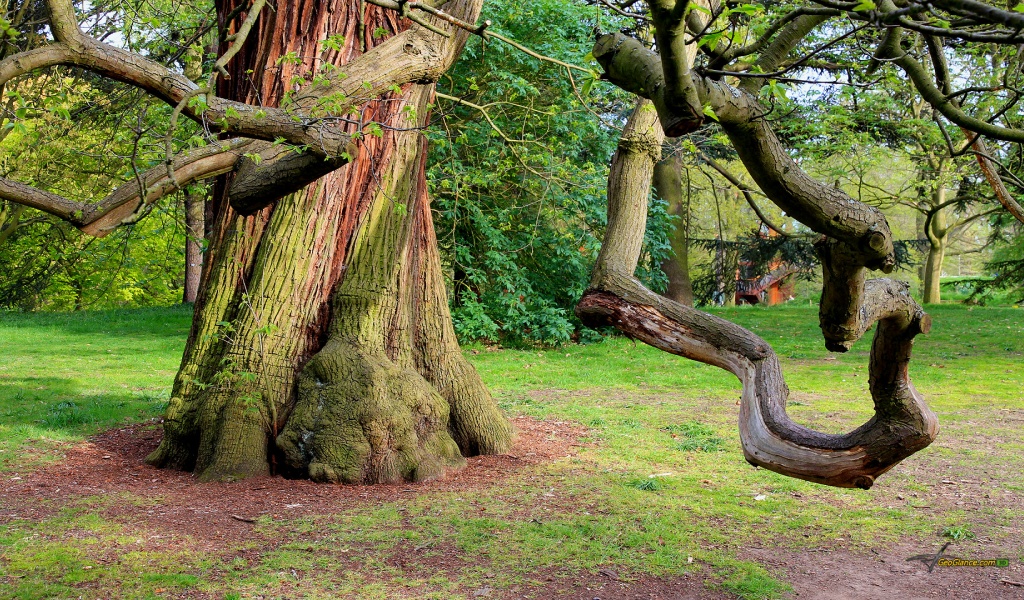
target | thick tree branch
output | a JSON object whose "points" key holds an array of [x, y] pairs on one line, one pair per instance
{"points": [[991, 173], [943, 81], [891, 50], [902, 423], [119, 206], [784, 43], [237, 118], [735, 52], [669, 18], [982, 12], [416, 55], [823, 208]]}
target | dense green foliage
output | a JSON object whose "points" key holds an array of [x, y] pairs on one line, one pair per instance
{"points": [[79, 135], [519, 192], [51, 266], [518, 168]]}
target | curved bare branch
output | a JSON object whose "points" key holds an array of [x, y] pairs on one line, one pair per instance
{"points": [[417, 55], [823, 208], [902, 423], [77, 49]]}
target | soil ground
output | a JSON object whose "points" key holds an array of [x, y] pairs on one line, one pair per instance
{"points": [[217, 518]]}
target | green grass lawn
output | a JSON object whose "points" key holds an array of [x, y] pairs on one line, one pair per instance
{"points": [[64, 377]]}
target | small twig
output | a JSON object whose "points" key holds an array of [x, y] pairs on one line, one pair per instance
{"points": [[243, 519]]}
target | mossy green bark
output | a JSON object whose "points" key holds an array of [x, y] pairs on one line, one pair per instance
{"points": [[383, 394], [322, 338], [362, 418], [366, 412]]}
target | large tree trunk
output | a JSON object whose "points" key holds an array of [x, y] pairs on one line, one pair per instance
{"points": [[668, 185], [367, 387]]}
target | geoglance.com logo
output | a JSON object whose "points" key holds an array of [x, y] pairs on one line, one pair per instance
{"points": [[938, 560]]}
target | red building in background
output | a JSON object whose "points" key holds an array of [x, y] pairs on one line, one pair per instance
{"points": [[774, 287]]}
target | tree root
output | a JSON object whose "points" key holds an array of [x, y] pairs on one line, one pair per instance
{"points": [[361, 418]]}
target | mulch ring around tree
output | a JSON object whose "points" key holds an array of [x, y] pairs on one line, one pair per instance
{"points": [[217, 517], [220, 514]]}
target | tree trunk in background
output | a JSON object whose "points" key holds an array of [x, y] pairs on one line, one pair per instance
{"points": [[938, 234], [10, 218], [195, 232], [669, 187], [368, 387], [919, 221], [725, 264], [933, 271]]}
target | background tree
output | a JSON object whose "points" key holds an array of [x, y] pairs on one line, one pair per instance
{"points": [[668, 182], [883, 146], [322, 273]]}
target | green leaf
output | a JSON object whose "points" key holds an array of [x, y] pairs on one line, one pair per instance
{"points": [[865, 5], [710, 112], [587, 85], [747, 9], [333, 42], [711, 40]]}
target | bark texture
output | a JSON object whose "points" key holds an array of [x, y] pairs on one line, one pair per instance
{"points": [[365, 413], [668, 186], [276, 375], [195, 232], [937, 232]]}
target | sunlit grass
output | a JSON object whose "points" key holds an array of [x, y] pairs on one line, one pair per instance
{"points": [[64, 376], [661, 487]]}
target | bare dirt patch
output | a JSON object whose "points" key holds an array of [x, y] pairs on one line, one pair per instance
{"points": [[882, 575], [607, 585]]}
